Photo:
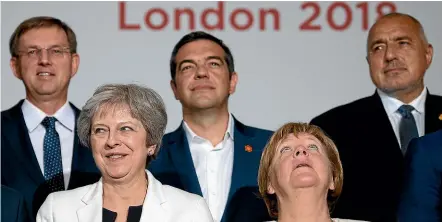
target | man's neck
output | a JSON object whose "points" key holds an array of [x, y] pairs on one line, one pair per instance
{"points": [[407, 96], [208, 124], [48, 105], [305, 206]]}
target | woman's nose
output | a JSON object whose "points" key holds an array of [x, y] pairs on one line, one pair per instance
{"points": [[300, 151], [112, 140]]}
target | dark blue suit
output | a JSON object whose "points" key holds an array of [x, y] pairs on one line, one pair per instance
{"points": [[13, 206], [174, 166], [421, 197], [19, 165]]}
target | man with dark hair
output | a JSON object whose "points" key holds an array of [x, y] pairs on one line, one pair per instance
{"points": [[372, 133], [211, 153], [40, 149]]}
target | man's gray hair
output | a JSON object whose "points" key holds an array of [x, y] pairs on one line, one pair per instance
{"points": [[144, 105]]}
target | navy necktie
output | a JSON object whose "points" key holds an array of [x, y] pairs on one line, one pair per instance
{"points": [[53, 167], [407, 126]]}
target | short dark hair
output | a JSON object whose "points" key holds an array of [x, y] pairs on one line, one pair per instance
{"points": [[41, 22], [200, 35]]}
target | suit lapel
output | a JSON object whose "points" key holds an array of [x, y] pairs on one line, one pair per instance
{"points": [[433, 110], [242, 160], [20, 143], [92, 211], [152, 206], [381, 127], [78, 152], [182, 159]]}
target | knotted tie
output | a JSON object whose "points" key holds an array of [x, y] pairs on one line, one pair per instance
{"points": [[53, 167], [407, 126]]}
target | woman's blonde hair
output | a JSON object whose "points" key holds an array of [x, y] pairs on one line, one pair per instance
{"points": [[269, 152]]}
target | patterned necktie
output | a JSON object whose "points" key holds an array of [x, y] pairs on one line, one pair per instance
{"points": [[53, 167], [407, 126]]}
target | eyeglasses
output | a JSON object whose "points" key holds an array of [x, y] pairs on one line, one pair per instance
{"points": [[53, 52]]}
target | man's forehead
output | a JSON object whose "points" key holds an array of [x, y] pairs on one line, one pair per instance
{"points": [[391, 28], [204, 48], [47, 35]]}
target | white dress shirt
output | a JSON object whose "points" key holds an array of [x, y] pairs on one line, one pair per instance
{"points": [[391, 106], [213, 167], [65, 127]]}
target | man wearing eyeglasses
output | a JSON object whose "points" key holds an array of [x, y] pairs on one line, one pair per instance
{"points": [[41, 152]]}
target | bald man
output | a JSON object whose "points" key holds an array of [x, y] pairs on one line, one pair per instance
{"points": [[372, 133]]}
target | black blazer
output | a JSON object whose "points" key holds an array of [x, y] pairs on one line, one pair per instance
{"points": [[371, 156], [19, 166]]}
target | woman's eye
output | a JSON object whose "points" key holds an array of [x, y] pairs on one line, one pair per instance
{"points": [[99, 130], [284, 149], [126, 128], [312, 147]]}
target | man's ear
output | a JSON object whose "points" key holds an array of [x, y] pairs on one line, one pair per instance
{"points": [[75, 63], [13, 63], [174, 89], [233, 82]]}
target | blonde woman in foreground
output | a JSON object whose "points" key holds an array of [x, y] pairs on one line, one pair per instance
{"points": [[300, 174]]}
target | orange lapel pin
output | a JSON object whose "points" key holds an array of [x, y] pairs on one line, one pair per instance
{"points": [[440, 116], [248, 148]]}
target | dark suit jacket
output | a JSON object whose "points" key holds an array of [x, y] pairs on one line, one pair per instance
{"points": [[174, 166], [421, 197], [20, 169], [371, 156], [13, 206]]}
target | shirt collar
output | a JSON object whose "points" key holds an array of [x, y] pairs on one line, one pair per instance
{"points": [[391, 104], [192, 135], [34, 116]]}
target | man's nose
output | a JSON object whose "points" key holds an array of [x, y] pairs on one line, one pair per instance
{"points": [[43, 57], [201, 72]]}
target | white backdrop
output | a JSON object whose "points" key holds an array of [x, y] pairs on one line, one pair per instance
{"points": [[285, 73]]}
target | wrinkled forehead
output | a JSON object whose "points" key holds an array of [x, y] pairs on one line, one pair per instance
{"points": [[394, 27]]}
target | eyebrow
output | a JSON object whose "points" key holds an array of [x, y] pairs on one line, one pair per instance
{"points": [[378, 41], [398, 38], [193, 62], [186, 61], [215, 57], [51, 46]]}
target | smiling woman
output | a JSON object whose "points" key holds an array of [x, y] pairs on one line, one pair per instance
{"points": [[300, 174], [124, 126]]}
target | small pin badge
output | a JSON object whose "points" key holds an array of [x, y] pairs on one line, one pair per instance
{"points": [[248, 148], [440, 116]]}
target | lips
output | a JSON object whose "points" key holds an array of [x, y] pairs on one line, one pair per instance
{"points": [[389, 70], [302, 165], [43, 73], [115, 156], [202, 87]]}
